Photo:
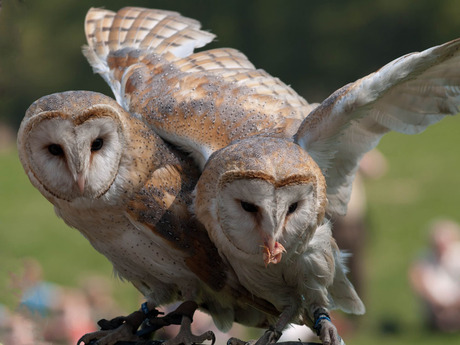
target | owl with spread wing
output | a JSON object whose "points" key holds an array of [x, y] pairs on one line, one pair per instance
{"points": [[265, 194], [273, 167]]}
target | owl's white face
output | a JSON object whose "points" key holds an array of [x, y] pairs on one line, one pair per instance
{"points": [[262, 198], [72, 157], [266, 219]]}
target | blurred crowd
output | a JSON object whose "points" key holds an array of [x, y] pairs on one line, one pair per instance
{"points": [[51, 314]]}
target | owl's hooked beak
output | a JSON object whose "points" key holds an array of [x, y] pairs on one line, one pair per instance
{"points": [[81, 182], [269, 232], [273, 251], [78, 164]]}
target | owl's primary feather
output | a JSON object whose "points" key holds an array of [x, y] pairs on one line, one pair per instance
{"points": [[407, 95], [112, 178]]}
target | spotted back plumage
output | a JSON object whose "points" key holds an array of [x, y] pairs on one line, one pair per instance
{"points": [[202, 101]]}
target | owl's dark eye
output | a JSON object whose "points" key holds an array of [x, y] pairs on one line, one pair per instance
{"points": [[97, 144], [248, 207], [292, 208], [55, 150]]}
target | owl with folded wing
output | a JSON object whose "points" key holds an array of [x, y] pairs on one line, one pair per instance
{"points": [[128, 192]]}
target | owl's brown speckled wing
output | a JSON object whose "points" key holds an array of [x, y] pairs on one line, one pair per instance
{"points": [[162, 204], [200, 102], [407, 95]]}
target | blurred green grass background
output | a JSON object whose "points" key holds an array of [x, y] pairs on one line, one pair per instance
{"points": [[314, 46]]}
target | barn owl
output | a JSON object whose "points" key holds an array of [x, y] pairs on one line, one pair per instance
{"points": [[266, 212], [254, 206], [261, 209], [203, 102], [112, 178], [217, 106]]}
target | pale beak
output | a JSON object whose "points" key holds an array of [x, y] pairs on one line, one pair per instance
{"points": [[273, 251], [81, 182]]}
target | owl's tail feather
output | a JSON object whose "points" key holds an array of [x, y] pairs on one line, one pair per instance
{"points": [[343, 293]]}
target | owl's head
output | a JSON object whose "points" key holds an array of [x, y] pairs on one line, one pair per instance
{"points": [[261, 196], [70, 144]]}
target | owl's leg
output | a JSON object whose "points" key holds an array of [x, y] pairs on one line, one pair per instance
{"points": [[325, 329], [185, 335]]}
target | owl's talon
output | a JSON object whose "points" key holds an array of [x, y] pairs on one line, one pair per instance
{"points": [[325, 329], [91, 338], [185, 335], [328, 334], [236, 341], [122, 328], [114, 323], [109, 337]]}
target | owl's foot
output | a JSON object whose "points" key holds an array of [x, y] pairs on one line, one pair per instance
{"points": [[185, 335], [326, 330], [236, 341], [123, 331]]}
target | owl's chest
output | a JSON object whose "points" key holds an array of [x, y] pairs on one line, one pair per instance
{"points": [[138, 255], [274, 283]]}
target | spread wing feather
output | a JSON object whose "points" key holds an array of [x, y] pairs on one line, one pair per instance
{"points": [[407, 95]]}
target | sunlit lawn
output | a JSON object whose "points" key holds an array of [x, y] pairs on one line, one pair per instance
{"points": [[422, 184]]}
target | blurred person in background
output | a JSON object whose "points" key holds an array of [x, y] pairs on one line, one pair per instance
{"points": [[37, 296], [350, 231], [71, 318], [435, 277]]}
